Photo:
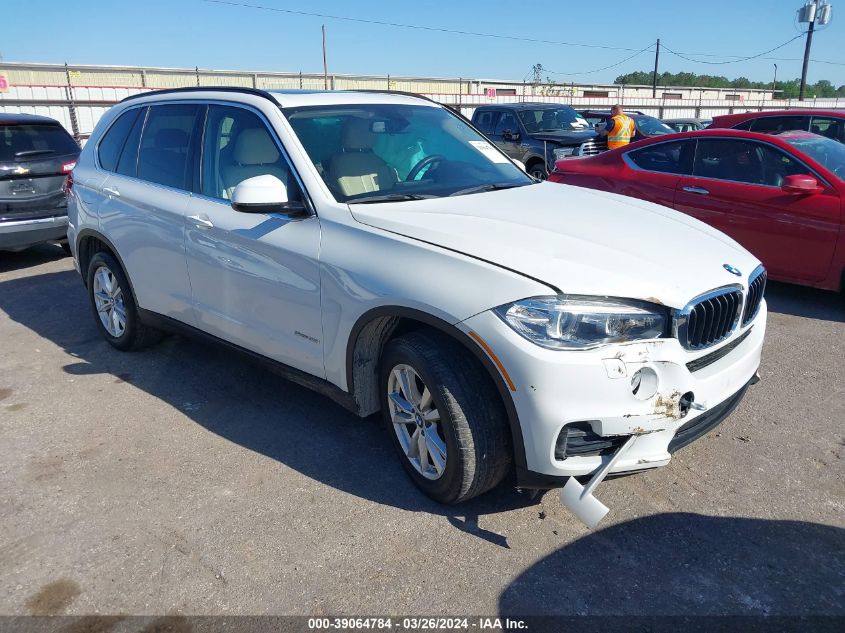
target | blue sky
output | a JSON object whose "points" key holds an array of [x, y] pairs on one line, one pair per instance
{"points": [[188, 33]]}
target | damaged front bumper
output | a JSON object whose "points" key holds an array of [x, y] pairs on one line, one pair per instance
{"points": [[577, 409]]}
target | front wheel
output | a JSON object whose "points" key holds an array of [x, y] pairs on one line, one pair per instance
{"points": [[538, 171], [444, 416]]}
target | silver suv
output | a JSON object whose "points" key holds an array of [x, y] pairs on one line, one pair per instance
{"points": [[378, 248]]}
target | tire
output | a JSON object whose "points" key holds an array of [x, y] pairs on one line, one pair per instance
{"points": [[113, 292], [538, 171], [469, 418], [66, 248]]}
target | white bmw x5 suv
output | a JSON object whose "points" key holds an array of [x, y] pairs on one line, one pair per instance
{"points": [[378, 248]]}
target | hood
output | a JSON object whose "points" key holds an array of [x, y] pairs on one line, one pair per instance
{"points": [[566, 137], [579, 241]]}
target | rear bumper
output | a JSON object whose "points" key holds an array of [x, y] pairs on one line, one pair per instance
{"points": [[15, 234]]}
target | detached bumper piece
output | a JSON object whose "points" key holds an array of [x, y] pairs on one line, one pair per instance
{"points": [[579, 498]]}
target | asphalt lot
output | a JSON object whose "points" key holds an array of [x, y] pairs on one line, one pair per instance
{"points": [[186, 480]]}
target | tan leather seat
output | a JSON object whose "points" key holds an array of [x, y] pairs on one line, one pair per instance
{"points": [[254, 154], [357, 169]]}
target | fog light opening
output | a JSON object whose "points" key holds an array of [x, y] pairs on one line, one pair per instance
{"points": [[644, 383]]}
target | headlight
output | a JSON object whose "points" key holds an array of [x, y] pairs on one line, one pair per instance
{"points": [[581, 322], [563, 152]]}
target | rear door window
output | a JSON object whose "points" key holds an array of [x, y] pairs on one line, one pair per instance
{"points": [[35, 141], [775, 124], [667, 158], [744, 161], [485, 121], [507, 123], [167, 151], [830, 127]]}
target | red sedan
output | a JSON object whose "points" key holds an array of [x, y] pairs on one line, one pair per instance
{"points": [[781, 196]]}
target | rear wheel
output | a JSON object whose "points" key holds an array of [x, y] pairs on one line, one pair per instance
{"points": [[114, 307], [444, 417]]}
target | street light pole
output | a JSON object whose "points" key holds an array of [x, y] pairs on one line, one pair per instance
{"points": [[813, 12]]}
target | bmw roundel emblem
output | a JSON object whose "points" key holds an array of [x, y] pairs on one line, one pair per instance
{"points": [[732, 269]]}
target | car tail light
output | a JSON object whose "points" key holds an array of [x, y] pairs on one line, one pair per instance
{"points": [[68, 167], [68, 186]]}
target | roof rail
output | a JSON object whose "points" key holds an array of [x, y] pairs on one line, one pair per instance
{"points": [[251, 91]]}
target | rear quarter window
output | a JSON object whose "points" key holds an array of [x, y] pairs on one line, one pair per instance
{"points": [[108, 151], [32, 141]]}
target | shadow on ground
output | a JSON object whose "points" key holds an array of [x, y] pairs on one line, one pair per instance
{"points": [[40, 254], [801, 301], [241, 401], [689, 564]]}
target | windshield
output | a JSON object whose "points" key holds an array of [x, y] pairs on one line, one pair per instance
{"points": [[34, 142], [651, 126], [552, 120], [826, 152], [386, 152]]}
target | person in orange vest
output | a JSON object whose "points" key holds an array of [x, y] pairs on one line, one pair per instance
{"points": [[620, 129]]}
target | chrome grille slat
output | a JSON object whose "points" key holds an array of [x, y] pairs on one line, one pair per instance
{"points": [[756, 290], [710, 319]]}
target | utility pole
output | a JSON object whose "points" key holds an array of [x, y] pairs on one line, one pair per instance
{"points": [[775, 81], [654, 74], [325, 63], [814, 12]]}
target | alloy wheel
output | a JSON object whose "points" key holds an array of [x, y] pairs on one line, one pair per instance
{"points": [[416, 421], [108, 299]]}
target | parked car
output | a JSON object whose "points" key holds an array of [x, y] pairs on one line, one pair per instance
{"points": [[537, 134], [36, 154], [780, 196], [377, 248], [687, 125], [646, 126], [829, 123]]}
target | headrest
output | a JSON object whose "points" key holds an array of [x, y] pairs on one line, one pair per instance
{"points": [[255, 147], [171, 138], [358, 134]]}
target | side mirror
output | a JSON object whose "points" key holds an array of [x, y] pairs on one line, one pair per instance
{"points": [[801, 184], [510, 136], [264, 194]]}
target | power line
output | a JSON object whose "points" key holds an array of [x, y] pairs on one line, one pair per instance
{"points": [[518, 38], [733, 61], [417, 26], [596, 70]]}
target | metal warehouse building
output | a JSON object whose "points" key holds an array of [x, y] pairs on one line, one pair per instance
{"points": [[78, 95]]}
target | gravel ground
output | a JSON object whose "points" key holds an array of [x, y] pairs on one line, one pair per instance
{"points": [[186, 480]]}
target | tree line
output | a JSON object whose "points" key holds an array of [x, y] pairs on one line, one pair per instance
{"points": [[788, 89]]}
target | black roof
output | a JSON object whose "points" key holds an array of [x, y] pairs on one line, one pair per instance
{"points": [[8, 118]]}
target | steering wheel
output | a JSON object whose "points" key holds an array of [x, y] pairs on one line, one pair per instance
{"points": [[425, 162]]}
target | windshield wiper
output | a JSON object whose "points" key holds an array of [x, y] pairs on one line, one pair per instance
{"points": [[391, 197], [491, 186], [34, 152]]}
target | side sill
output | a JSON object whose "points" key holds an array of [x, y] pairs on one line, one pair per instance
{"points": [[321, 386]]}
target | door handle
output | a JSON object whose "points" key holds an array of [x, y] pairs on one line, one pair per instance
{"points": [[113, 193], [697, 190], [201, 221]]}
